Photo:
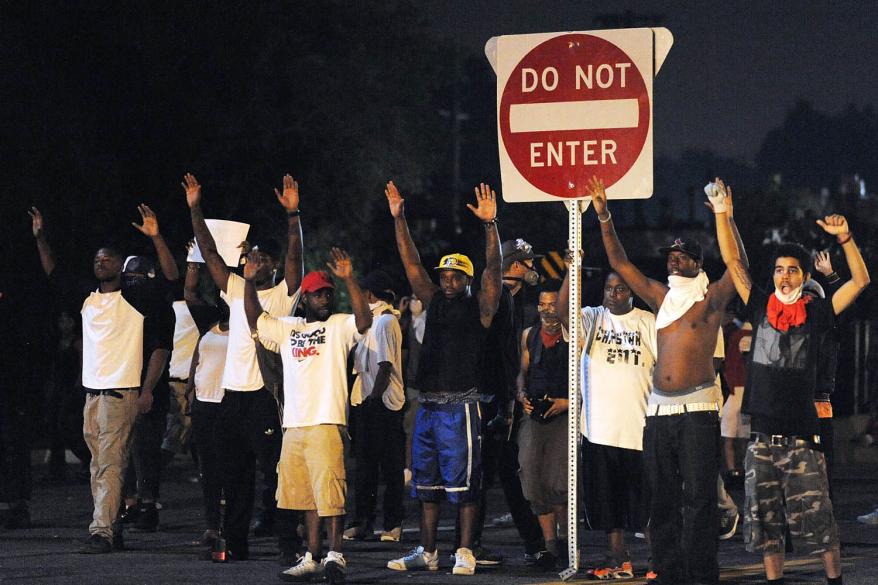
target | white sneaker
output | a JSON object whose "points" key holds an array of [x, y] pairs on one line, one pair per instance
{"points": [[334, 567], [417, 559], [392, 535], [464, 562], [305, 570], [871, 518]]}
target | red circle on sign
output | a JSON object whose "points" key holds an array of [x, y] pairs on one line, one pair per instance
{"points": [[563, 152]]}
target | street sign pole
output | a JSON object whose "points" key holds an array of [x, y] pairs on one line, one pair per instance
{"points": [[575, 209]]}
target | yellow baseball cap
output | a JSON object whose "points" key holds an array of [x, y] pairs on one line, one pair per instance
{"points": [[456, 262]]}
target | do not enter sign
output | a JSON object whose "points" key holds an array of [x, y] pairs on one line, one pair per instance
{"points": [[575, 105]]}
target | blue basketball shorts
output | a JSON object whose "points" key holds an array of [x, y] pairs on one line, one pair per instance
{"points": [[446, 453]]}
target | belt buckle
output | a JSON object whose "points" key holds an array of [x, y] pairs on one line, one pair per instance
{"points": [[777, 440]]}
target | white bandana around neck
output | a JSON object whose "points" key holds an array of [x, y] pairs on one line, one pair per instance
{"points": [[791, 297], [382, 307], [684, 292]]}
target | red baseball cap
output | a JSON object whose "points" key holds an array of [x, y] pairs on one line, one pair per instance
{"points": [[315, 281]]}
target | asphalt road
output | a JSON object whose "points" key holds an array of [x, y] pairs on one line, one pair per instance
{"points": [[47, 552]]}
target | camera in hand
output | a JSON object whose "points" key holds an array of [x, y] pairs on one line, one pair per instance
{"points": [[541, 405]]}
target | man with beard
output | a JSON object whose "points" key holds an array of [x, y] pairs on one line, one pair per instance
{"points": [[542, 434], [248, 426], [446, 444], [682, 418], [127, 335], [785, 470], [314, 350]]}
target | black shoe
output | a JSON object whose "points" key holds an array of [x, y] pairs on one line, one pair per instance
{"points": [[546, 561], [130, 514], [118, 538], [237, 550], [263, 527], [96, 544], [147, 518]]}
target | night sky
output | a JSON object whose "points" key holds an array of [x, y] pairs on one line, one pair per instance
{"points": [[735, 68]]}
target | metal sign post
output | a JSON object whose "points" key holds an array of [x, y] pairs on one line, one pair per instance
{"points": [[575, 210]]}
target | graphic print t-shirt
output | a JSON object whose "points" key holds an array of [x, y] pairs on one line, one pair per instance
{"points": [[617, 375], [783, 374], [315, 359]]}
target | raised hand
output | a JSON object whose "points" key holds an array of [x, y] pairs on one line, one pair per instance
{"points": [[719, 197], [822, 263], [487, 203], [394, 200], [250, 269], [595, 189], [150, 226], [835, 225], [289, 198], [192, 189], [340, 264], [36, 219]]}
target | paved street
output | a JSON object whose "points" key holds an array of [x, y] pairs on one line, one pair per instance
{"points": [[46, 553]]}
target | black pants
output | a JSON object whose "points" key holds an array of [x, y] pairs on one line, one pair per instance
{"points": [[16, 425], [143, 477], [247, 432], [501, 454], [379, 445], [204, 417], [680, 455]]}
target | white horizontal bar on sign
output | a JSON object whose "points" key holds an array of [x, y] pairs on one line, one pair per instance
{"points": [[583, 115]]}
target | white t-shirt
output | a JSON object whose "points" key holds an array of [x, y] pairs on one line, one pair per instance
{"points": [[382, 343], [617, 376], [211, 361], [315, 366], [185, 339], [242, 370], [112, 342]]}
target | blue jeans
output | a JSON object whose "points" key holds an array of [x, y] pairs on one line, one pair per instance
{"points": [[680, 455]]}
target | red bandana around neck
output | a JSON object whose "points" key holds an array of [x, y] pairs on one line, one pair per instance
{"points": [[549, 339], [782, 317]]}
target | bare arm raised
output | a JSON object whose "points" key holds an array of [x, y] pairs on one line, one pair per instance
{"points": [[47, 257], [651, 291], [293, 265], [720, 201], [837, 226], [215, 263], [422, 286], [341, 266], [150, 229], [729, 240], [489, 295]]}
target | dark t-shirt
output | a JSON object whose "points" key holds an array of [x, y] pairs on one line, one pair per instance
{"points": [[454, 340], [783, 368], [547, 369], [501, 358]]}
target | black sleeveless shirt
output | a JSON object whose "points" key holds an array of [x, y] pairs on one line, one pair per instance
{"points": [[454, 339]]}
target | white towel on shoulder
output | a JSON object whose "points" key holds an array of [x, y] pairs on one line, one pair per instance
{"points": [[685, 292]]}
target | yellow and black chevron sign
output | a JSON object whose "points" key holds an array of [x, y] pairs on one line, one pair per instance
{"points": [[553, 264]]}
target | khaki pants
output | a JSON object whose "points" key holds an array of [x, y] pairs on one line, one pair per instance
{"points": [[107, 426]]}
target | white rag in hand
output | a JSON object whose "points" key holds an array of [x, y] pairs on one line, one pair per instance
{"points": [[717, 196], [685, 292]]}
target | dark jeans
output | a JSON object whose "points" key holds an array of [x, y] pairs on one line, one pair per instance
{"points": [[247, 431], [379, 444], [681, 466], [204, 417], [143, 477]]}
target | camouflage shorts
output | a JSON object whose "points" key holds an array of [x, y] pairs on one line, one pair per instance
{"points": [[786, 486]]}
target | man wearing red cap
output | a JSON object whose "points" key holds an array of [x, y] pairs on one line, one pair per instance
{"points": [[445, 447], [248, 426], [314, 350]]}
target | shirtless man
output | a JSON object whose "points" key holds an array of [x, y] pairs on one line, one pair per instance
{"points": [[682, 423]]}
